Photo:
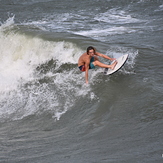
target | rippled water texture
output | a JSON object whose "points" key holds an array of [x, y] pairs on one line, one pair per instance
{"points": [[48, 113]]}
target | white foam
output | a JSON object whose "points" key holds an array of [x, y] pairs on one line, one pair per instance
{"points": [[21, 54], [21, 93], [132, 54], [104, 32], [57, 22], [116, 16], [160, 8], [115, 20], [8, 23]]}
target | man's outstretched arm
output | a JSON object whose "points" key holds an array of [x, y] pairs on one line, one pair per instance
{"points": [[105, 56]]}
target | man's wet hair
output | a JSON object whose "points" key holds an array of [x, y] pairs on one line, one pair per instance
{"points": [[90, 48]]}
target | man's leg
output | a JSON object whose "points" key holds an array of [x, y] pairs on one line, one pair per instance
{"points": [[98, 63]]}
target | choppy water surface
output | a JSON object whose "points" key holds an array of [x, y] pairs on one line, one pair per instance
{"points": [[48, 113]]}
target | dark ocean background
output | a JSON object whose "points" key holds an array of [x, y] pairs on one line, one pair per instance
{"points": [[47, 112]]}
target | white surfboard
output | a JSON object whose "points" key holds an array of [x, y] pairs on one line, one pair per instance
{"points": [[121, 61]]}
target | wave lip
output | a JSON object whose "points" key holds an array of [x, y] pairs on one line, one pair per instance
{"points": [[21, 54], [26, 87], [8, 23]]}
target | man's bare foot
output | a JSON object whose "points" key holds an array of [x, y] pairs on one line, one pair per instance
{"points": [[113, 65]]}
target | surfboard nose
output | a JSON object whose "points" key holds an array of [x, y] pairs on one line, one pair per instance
{"points": [[120, 62]]}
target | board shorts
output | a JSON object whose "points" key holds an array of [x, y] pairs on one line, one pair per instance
{"points": [[91, 65], [82, 68]]}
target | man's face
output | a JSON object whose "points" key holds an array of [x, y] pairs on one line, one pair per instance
{"points": [[91, 52]]}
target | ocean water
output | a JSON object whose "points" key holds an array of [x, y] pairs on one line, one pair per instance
{"points": [[47, 112]]}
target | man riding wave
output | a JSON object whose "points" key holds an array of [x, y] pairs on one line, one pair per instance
{"points": [[89, 60]]}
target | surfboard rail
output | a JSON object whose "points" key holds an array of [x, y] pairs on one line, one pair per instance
{"points": [[121, 61]]}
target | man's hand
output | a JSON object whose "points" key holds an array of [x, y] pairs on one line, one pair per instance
{"points": [[112, 59]]}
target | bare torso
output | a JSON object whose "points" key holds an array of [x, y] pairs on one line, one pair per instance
{"points": [[84, 58]]}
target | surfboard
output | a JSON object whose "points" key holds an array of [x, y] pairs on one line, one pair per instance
{"points": [[121, 61]]}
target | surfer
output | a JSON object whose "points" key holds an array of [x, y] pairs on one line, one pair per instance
{"points": [[89, 60]]}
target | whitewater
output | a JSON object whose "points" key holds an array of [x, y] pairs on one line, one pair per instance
{"points": [[48, 113]]}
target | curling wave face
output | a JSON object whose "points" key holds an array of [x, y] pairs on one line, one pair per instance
{"points": [[37, 75]]}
